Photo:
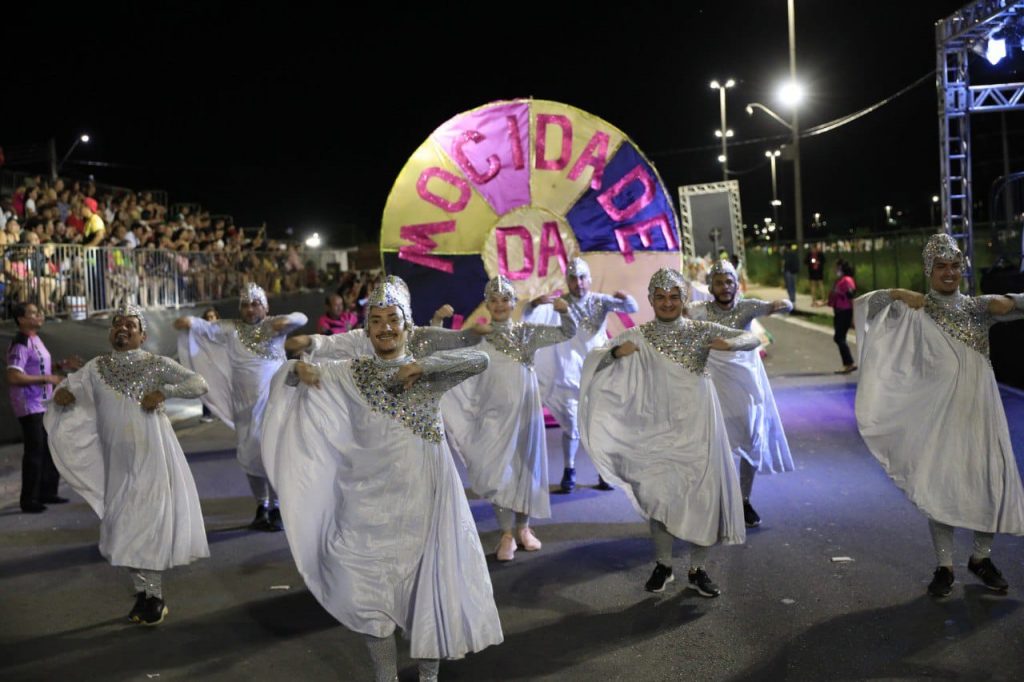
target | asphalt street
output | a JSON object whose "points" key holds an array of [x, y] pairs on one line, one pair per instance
{"points": [[830, 587]]}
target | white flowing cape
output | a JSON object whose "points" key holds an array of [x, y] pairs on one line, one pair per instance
{"points": [[377, 519], [495, 423], [655, 428], [748, 408], [928, 407], [128, 465], [238, 379]]}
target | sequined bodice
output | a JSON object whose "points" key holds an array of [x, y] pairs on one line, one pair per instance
{"points": [[260, 340], [510, 339], [965, 318], [686, 342], [589, 312], [133, 374], [738, 317], [416, 409]]}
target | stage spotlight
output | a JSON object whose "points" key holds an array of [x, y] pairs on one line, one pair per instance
{"points": [[995, 50]]}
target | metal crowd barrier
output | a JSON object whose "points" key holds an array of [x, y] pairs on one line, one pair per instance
{"points": [[75, 282]]}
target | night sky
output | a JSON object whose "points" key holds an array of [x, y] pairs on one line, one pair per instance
{"points": [[303, 116]]}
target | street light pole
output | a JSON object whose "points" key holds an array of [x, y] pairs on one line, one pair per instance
{"points": [[723, 132], [798, 199], [772, 155]]}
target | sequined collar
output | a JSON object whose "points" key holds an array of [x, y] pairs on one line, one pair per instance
{"points": [[132, 373], [415, 409], [736, 316], [260, 339], [685, 342], [961, 317], [508, 338]]}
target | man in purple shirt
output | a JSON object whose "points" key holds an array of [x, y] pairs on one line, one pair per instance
{"points": [[31, 381]]}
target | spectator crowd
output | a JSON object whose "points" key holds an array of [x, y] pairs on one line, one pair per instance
{"points": [[140, 250]]}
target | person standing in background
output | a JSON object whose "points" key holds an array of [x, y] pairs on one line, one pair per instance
{"points": [[841, 300], [791, 271], [31, 382]]}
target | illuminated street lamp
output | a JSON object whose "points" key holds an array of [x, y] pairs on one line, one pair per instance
{"points": [[935, 204], [723, 132], [81, 138], [313, 241]]}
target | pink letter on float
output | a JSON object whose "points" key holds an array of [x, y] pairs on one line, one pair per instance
{"points": [[419, 252], [550, 245], [493, 162], [643, 230], [517, 143], [595, 154], [541, 143], [451, 207], [619, 214], [501, 235]]}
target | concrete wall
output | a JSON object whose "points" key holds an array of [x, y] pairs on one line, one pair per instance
{"points": [[88, 338]]}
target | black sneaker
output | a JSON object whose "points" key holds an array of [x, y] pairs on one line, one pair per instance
{"points": [[988, 573], [942, 582], [153, 611], [603, 484], [750, 517], [135, 615], [274, 519], [661, 576], [700, 582], [568, 480], [54, 499], [262, 519], [33, 507]]}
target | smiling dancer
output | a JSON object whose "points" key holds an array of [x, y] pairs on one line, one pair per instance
{"points": [[377, 516], [748, 405], [113, 443], [928, 407], [650, 419], [559, 366], [495, 421]]}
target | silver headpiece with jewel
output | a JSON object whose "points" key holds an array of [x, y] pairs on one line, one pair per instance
{"points": [[392, 291], [722, 267], [131, 310], [500, 286], [667, 279], [940, 247], [252, 293], [577, 268]]}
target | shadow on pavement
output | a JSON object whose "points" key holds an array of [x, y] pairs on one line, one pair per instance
{"points": [[884, 643]]}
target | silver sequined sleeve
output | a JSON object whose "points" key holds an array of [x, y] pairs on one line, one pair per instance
{"points": [[879, 300], [429, 340], [1015, 314], [179, 382], [446, 369], [540, 335], [611, 304], [737, 340]]}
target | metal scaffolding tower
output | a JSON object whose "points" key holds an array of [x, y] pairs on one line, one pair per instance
{"points": [[956, 36]]}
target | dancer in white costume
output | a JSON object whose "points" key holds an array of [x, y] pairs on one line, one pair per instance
{"points": [[377, 517], [495, 421], [112, 441], [558, 367], [928, 408], [748, 405], [650, 419], [238, 358]]}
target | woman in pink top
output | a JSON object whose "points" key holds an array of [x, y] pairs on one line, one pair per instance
{"points": [[841, 299]]}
